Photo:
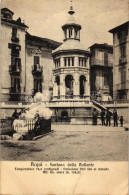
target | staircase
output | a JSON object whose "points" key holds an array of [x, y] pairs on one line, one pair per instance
{"points": [[98, 106]]}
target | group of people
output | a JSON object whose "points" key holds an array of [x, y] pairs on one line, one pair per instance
{"points": [[106, 117], [16, 114], [21, 114]]}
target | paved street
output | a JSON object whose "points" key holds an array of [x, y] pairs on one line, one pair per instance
{"points": [[72, 143]]}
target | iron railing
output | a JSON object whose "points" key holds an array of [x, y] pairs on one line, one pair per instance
{"points": [[14, 69], [122, 39], [95, 61], [70, 97], [122, 60], [14, 90], [14, 39], [37, 69], [123, 85], [6, 126]]}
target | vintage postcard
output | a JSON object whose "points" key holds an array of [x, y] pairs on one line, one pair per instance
{"points": [[64, 97]]}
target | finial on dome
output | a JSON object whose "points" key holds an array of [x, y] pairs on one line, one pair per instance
{"points": [[71, 11]]}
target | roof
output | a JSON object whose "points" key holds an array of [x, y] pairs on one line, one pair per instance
{"points": [[16, 22], [71, 22], [102, 46], [119, 27], [50, 42], [70, 45], [6, 9]]}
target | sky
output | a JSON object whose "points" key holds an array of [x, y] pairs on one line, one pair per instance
{"points": [[45, 17]]}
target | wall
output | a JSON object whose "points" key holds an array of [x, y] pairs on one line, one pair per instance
{"points": [[46, 62], [5, 58], [99, 69], [6, 34], [117, 69]]}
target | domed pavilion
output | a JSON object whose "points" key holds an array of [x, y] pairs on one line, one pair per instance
{"points": [[71, 64]]}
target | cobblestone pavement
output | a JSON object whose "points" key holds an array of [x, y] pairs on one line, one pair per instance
{"points": [[71, 143]]}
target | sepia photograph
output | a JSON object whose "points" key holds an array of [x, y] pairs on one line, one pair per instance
{"points": [[64, 80]]}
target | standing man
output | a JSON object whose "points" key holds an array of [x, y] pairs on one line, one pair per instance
{"points": [[15, 114], [95, 115], [102, 117], [108, 118], [121, 121], [115, 118]]}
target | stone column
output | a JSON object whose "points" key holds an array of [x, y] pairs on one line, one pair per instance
{"points": [[66, 61], [70, 61], [87, 85], [62, 86], [76, 61], [67, 33], [76, 86], [88, 63], [61, 62], [55, 89]]}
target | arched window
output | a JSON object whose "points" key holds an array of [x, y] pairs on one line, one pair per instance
{"points": [[71, 34], [57, 80], [64, 114], [69, 86], [82, 85]]}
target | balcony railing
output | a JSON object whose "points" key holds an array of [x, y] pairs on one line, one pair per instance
{"points": [[122, 39], [37, 69], [14, 90], [123, 85], [122, 60], [67, 97], [14, 39], [15, 94], [99, 62], [34, 91], [15, 69]]}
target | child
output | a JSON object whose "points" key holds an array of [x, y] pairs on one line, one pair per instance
{"points": [[121, 121]]}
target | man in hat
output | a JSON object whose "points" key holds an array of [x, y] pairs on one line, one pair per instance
{"points": [[15, 114]]}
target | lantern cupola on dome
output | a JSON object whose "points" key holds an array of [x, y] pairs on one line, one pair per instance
{"points": [[71, 28]]}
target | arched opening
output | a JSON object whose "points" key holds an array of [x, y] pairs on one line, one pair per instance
{"points": [[69, 86], [57, 80], [82, 85], [64, 114]]}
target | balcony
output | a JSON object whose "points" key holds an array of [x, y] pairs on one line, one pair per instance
{"points": [[98, 62], [122, 39], [14, 90], [15, 69], [15, 50], [123, 85], [34, 91], [122, 60], [70, 97], [15, 39], [15, 94], [37, 70]]}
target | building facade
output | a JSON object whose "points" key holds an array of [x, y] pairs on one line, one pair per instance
{"points": [[121, 62], [101, 77], [39, 64], [71, 71], [71, 75], [12, 56], [26, 60]]}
